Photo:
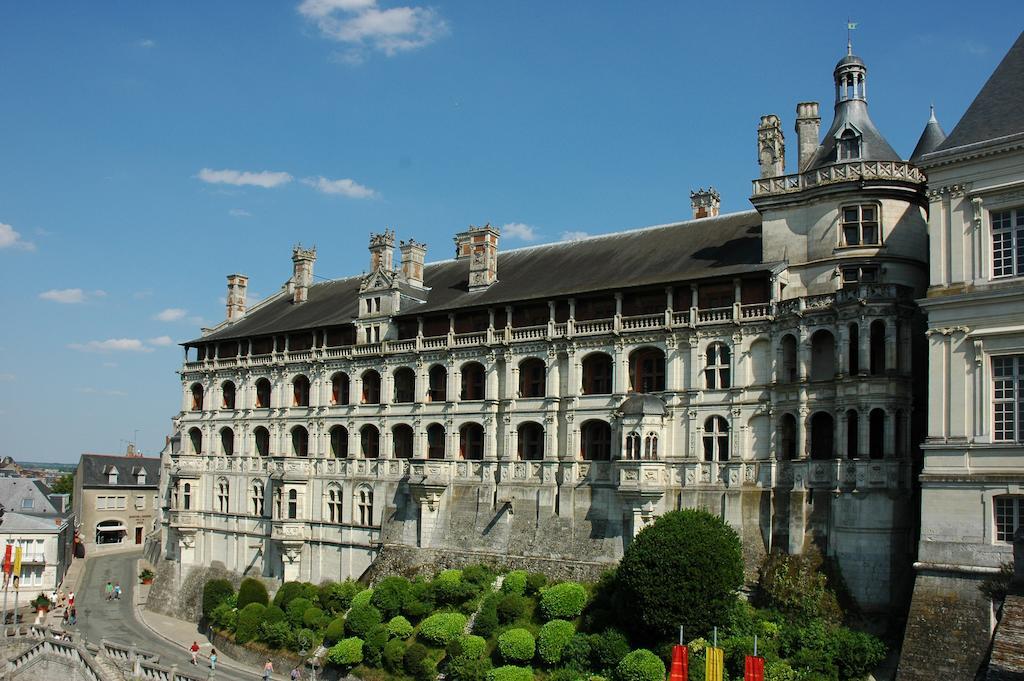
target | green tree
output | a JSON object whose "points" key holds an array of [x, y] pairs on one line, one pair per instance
{"points": [[346, 652], [516, 645], [552, 640], [563, 601], [640, 665], [252, 591], [215, 592], [65, 484], [685, 569], [249, 619]]}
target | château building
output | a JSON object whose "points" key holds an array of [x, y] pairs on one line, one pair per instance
{"points": [[544, 404]]}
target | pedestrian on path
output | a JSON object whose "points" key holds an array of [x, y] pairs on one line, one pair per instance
{"points": [[74, 615], [67, 616], [117, 591], [109, 590], [296, 674], [268, 669], [71, 599], [213, 659], [194, 649]]}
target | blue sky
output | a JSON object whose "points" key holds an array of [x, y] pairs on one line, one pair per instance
{"points": [[149, 149]]}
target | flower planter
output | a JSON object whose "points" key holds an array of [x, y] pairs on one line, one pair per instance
{"points": [[147, 580]]}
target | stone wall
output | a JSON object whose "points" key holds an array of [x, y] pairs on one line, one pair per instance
{"points": [[184, 600]]}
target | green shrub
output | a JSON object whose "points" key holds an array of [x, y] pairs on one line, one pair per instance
{"points": [[563, 601], [535, 581], [856, 653], [442, 627], [684, 570], [373, 648], [511, 607], [275, 634], [215, 592], [449, 588], [252, 591], [467, 668], [399, 627], [287, 592], [361, 598], [568, 674], [224, 616], [273, 614], [391, 595], [417, 662], [362, 618], [249, 619], [347, 652], [336, 597], [608, 648], [467, 645], [517, 645], [416, 610], [510, 673], [297, 607], [798, 586], [479, 575], [552, 640], [311, 617], [394, 652], [303, 639], [335, 630], [640, 665], [576, 653], [514, 582], [487, 618]]}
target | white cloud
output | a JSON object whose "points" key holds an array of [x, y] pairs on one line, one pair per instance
{"points": [[67, 296], [344, 187], [239, 213], [171, 314], [160, 341], [574, 235], [6, 377], [518, 230], [147, 43], [242, 178], [9, 238], [112, 345], [363, 26]]}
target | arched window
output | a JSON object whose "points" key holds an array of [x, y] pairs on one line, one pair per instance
{"points": [[473, 381], [197, 397], [471, 441], [186, 496], [222, 495], [300, 441], [262, 437], [227, 392], [263, 394], [339, 442], [339, 388], [633, 446], [401, 441], [438, 380], [651, 447], [300, 392], [364, 505], [876, 430], [716, 367], [789, 372], [716, 439], [405, 385], [531, 441], [333, 498], [647, 370], [849, 146], [293, 504], [531, 378], [195, 441], [822, 436], [787, 437], [853, 354], [227, 441], [852, 434], [823, 356], [435, 441], [278, 497], [257, 498], [595, 441], [369, 442], [877, 347], [371, 387], [597, 374]]}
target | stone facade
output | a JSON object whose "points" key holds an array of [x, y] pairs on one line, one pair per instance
{"points": [[116, 499]]}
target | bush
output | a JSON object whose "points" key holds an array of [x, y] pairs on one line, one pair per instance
{"points": [[856, 653], [224, 616], [311, 617], [514, 582], [641, 665], [510, 673], [487, 618], [517, 645], [478, 575], [417, 610], [248, 624], [511, 607], [391, 595], [467, 668], [297, 607], [399, 627], [576, 653], [535, 581], [608, 648], [273, 614], [361, 598], [797, 586], [303, 639], [362, 618], [563, 601], [467, 645], [394, 652], [335, 630], [417, 662], [215, 592], [346, 652], [449, 588], [374, 643], [287, 592], [442, 627], [552, 640], [252, 591], [337, 596], [684, 570], [275, 634]]}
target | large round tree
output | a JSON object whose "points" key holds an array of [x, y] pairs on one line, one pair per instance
{"points": [[685, 569]]}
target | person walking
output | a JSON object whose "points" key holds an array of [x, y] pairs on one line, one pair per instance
{"points": [[194, 649], [109, 590], [117, 591], [296, 674], [213, 659], [268, 669], [71, 599], [67, 616], [74, 615]]}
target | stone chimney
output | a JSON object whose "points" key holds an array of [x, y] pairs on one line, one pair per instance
{"points": [[705, 202], [381, 246], [302, 273], [771, 147], [237, 285], [808, 126], [480, 245], [413, 254]]}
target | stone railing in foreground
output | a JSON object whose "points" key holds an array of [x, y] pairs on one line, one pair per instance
{"points": [[834, 174]]}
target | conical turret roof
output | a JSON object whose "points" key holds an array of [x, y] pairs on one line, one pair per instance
{"points": [[931, 137]]}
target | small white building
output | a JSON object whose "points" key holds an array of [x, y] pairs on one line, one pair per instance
{"points": [[33, 519]]}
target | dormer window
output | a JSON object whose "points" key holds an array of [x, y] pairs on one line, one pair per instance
{"points": [[140, 477], [860, 225], [111, 476], [848, 148]]}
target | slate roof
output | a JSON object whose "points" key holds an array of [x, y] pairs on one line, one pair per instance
{"points": [[725, 245], [873, 147], [931, 137], [998, 110], [25, 522], [93, 470], [14, 490]]}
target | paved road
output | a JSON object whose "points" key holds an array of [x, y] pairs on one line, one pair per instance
{"points": [[115, 621]]}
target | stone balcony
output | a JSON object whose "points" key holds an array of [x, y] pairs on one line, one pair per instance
{"points": [[856, 171]]}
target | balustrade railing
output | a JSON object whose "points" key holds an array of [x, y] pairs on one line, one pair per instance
{"points": [[841, 172]]}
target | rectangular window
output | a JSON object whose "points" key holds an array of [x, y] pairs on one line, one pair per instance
{"points": [[1008, 398], [101, 503], [1008, 243], [27, 504], [1008, 512], [864, 274], [122, 503], [860, 226], [140, 503]]}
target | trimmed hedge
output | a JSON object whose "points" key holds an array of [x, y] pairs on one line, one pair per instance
{"points": [[311, 617], [394, 652], [361, 598], [467, 669], [487, 619], [335, 630], [510, 673], [514, 582], [297, 607], [252, 591], [535, 581], [362, 618], [273, 614], [418, 664], [511, 607], [215, 592], [391, 595], [608, 648], [442, 627], [337, 596], [468, 645], [374, 642], [399, 627], [346, 652], [289, 591], [552, 640], [640, 665], [563, 601], [517, 645], [249, 619], [449, 588]]}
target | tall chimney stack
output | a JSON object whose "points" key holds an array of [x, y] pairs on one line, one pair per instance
{"points": [[705, 202], [771, 147], [808, 125], [380, 250], [237, 285], [302, 273], [413, 254], [480, 245]]}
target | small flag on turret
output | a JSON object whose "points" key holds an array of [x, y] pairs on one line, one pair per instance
{"points": [[714, 664], [850, 25], [680, 664]]}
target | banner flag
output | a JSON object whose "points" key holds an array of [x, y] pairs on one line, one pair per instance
{"points": [[713, 664], [17, 566], [7, 559], [680, 664], [753, 668]]}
